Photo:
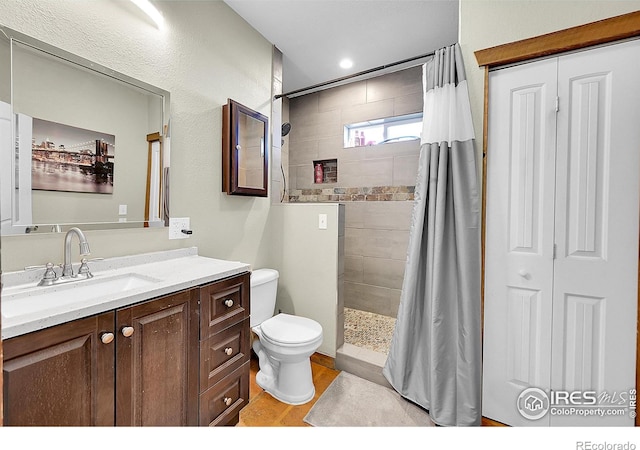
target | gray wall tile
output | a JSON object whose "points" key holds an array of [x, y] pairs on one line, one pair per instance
{"points": [[388, 215], [405, 170], [341, 258], [353, 269], [408, 104], [376, 299], [373, 172], [391, 244], [303, 152], [354, 214], [393, 149], [350, 154], [367, 111], [383, 272], [343, 96], [303, 105], [329, 148], [303, 177], [316, 125], [400, 83]]}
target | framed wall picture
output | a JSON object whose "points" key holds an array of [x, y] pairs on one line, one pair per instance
{"points": [[66, 158]]}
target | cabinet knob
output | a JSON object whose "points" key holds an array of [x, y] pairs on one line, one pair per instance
{"points": [[227, 401], [228, 302], [127, 331], [106, 338], [228, 351]]}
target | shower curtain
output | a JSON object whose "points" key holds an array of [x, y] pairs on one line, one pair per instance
{"points": [[435, 355]]}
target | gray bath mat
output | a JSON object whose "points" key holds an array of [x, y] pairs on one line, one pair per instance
{"points": [[351, 401]]}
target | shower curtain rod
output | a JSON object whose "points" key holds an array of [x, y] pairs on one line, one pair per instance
{"points": [[358, 74]]}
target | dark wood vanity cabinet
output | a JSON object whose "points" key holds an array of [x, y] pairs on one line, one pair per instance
{"points": [[62, 375], [181, 359], [157, 362], [224, 350]]}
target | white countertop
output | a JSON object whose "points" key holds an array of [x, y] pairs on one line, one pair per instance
{"points": [[169, 272]]}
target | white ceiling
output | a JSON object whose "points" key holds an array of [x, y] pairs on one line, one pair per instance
{"points": [[314, 35]]}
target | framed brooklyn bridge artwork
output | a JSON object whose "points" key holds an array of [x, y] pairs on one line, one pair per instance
{"points": [[67, 158]]}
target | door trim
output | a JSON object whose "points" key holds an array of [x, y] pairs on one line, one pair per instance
{"points": [[604, 31], [595, 33]]}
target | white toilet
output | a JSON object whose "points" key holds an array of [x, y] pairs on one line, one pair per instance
{"points": [[284, 343]]}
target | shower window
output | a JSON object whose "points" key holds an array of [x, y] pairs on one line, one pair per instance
{"points": [[382, 131]]}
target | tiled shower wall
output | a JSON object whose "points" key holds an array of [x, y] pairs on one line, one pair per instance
{"points": [[375, 183]]}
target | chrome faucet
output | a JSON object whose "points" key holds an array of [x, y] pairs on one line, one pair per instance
{"points": [[67, 268]]}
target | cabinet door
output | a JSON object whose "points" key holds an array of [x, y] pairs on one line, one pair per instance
{"points": [[157, 362], [61, 376]]}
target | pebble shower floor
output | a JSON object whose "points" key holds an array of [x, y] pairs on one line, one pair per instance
{"points": [[368, 330]]}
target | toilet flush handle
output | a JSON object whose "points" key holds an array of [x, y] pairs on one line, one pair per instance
{"points": [[228, 302]]}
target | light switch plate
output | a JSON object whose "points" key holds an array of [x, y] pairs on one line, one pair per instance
{"points": [[122, 210], [322, 221], [176, 225]]}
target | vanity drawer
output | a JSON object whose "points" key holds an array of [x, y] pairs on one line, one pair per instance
{"points": [[223, 353], [223, 304], [221, 404]]}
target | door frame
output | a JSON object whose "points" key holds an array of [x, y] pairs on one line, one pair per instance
{"points": [[604, 31]]}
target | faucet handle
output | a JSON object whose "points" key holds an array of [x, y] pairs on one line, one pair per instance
{"points": [[49, 272], [84, 268], [49, 276]]}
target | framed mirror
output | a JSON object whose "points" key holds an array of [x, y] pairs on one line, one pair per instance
{"points": [[76, 149], [245, 152]]}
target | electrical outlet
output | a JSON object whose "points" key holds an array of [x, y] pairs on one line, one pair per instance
{"points": [[176, 225], [322, 221]]}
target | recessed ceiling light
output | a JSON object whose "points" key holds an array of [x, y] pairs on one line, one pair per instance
{"points": [[346, 63]]}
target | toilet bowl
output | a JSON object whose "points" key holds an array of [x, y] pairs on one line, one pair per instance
{"points": [[283, 343]]}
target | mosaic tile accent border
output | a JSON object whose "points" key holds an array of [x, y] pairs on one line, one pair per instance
{"points": [[357, 194]]}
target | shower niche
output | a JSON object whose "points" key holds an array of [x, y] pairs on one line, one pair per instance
{"points": [[325, 171]]}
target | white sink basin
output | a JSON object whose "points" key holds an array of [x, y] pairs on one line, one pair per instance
{"points": [[22, 301]]}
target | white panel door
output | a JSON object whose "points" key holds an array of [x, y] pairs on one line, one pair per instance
{"points": [[598, 167], [519, 237]]}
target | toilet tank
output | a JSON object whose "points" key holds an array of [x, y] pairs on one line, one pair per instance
{"points": [[264, 287]]}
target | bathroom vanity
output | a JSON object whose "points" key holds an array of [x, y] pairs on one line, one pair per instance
{"points": [[168, 346]]}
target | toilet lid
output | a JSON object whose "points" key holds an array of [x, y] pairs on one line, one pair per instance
{"points": [[288, 329]]}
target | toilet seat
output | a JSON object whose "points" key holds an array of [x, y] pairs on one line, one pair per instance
{"points": [[287, 330]]}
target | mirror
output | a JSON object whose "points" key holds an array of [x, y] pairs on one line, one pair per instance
{"points": [[80, 144], [244, 150]]}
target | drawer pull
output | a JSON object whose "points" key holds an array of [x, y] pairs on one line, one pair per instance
{"points": [[106, 338], [127, 331], [228, 351], [228, 302], [227, 401]]}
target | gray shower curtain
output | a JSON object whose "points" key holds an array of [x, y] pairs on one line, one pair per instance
{"points": [[435, 354]]}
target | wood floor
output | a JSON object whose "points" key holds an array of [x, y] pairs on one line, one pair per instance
{"points": [[265, 411]]}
